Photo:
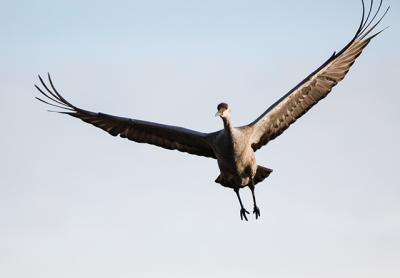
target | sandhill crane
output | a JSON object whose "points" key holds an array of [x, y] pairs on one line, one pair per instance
{"points": [[234, 147]]}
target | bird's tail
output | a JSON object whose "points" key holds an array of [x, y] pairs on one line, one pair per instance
{"points": [[261, 174]]}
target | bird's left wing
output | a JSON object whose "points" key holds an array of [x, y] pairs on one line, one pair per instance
{"points": [[277, 118], [165, 136]]}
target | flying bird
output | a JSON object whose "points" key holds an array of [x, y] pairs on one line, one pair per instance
{"points": [[234, 147]]}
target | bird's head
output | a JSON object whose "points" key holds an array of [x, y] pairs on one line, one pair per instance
{"points": [[223, 110]]}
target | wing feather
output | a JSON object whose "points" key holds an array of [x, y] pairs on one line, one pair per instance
{"points": [[279, 116], [165, 136]]}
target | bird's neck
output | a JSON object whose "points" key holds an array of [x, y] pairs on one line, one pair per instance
{"points": [[227, 124], [229, 135]]}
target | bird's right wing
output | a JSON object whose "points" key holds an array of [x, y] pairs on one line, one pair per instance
{"points": [[165, 136]]}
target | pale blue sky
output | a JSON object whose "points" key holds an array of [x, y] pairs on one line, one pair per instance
{"points": [[76, 202]]}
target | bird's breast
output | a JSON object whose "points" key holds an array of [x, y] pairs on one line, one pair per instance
{"points": [[236, 158]]}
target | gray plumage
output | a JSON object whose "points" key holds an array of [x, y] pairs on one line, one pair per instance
{"points": [[233, 147]]}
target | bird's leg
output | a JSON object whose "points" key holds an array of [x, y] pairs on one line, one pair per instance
{"points": [[256, 210], [243, 211]]}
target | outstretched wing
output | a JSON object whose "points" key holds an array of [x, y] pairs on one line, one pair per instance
{"points": [[165, 136], [277, 118]]}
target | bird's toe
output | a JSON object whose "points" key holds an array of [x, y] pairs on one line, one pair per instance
{"points": [[243, 213], [256, 211]]}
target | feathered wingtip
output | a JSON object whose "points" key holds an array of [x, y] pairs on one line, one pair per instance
{"points": [[365, 26], [53, 98]]}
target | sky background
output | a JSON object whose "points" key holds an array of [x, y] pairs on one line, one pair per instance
{"points": [[76, 202]]}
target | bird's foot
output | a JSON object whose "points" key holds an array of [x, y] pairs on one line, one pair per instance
{"points": [[256, 211], [243, 212]]}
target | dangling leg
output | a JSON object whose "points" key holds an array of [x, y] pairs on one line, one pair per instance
{"points": [[243, 211], [256, 210]]}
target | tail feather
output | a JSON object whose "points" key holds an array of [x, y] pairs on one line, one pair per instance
{"points": [[261, 174]]}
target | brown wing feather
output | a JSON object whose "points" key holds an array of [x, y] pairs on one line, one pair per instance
{"points": [[277, 118], [165, 136]]}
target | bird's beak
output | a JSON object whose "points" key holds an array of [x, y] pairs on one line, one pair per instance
{"points": [[218, 114]]}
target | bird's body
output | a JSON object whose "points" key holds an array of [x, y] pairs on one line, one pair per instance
{"points": [[234, 147], [236, 159]]}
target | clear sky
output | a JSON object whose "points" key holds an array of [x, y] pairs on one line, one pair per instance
{"points": [[76, 202]]}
